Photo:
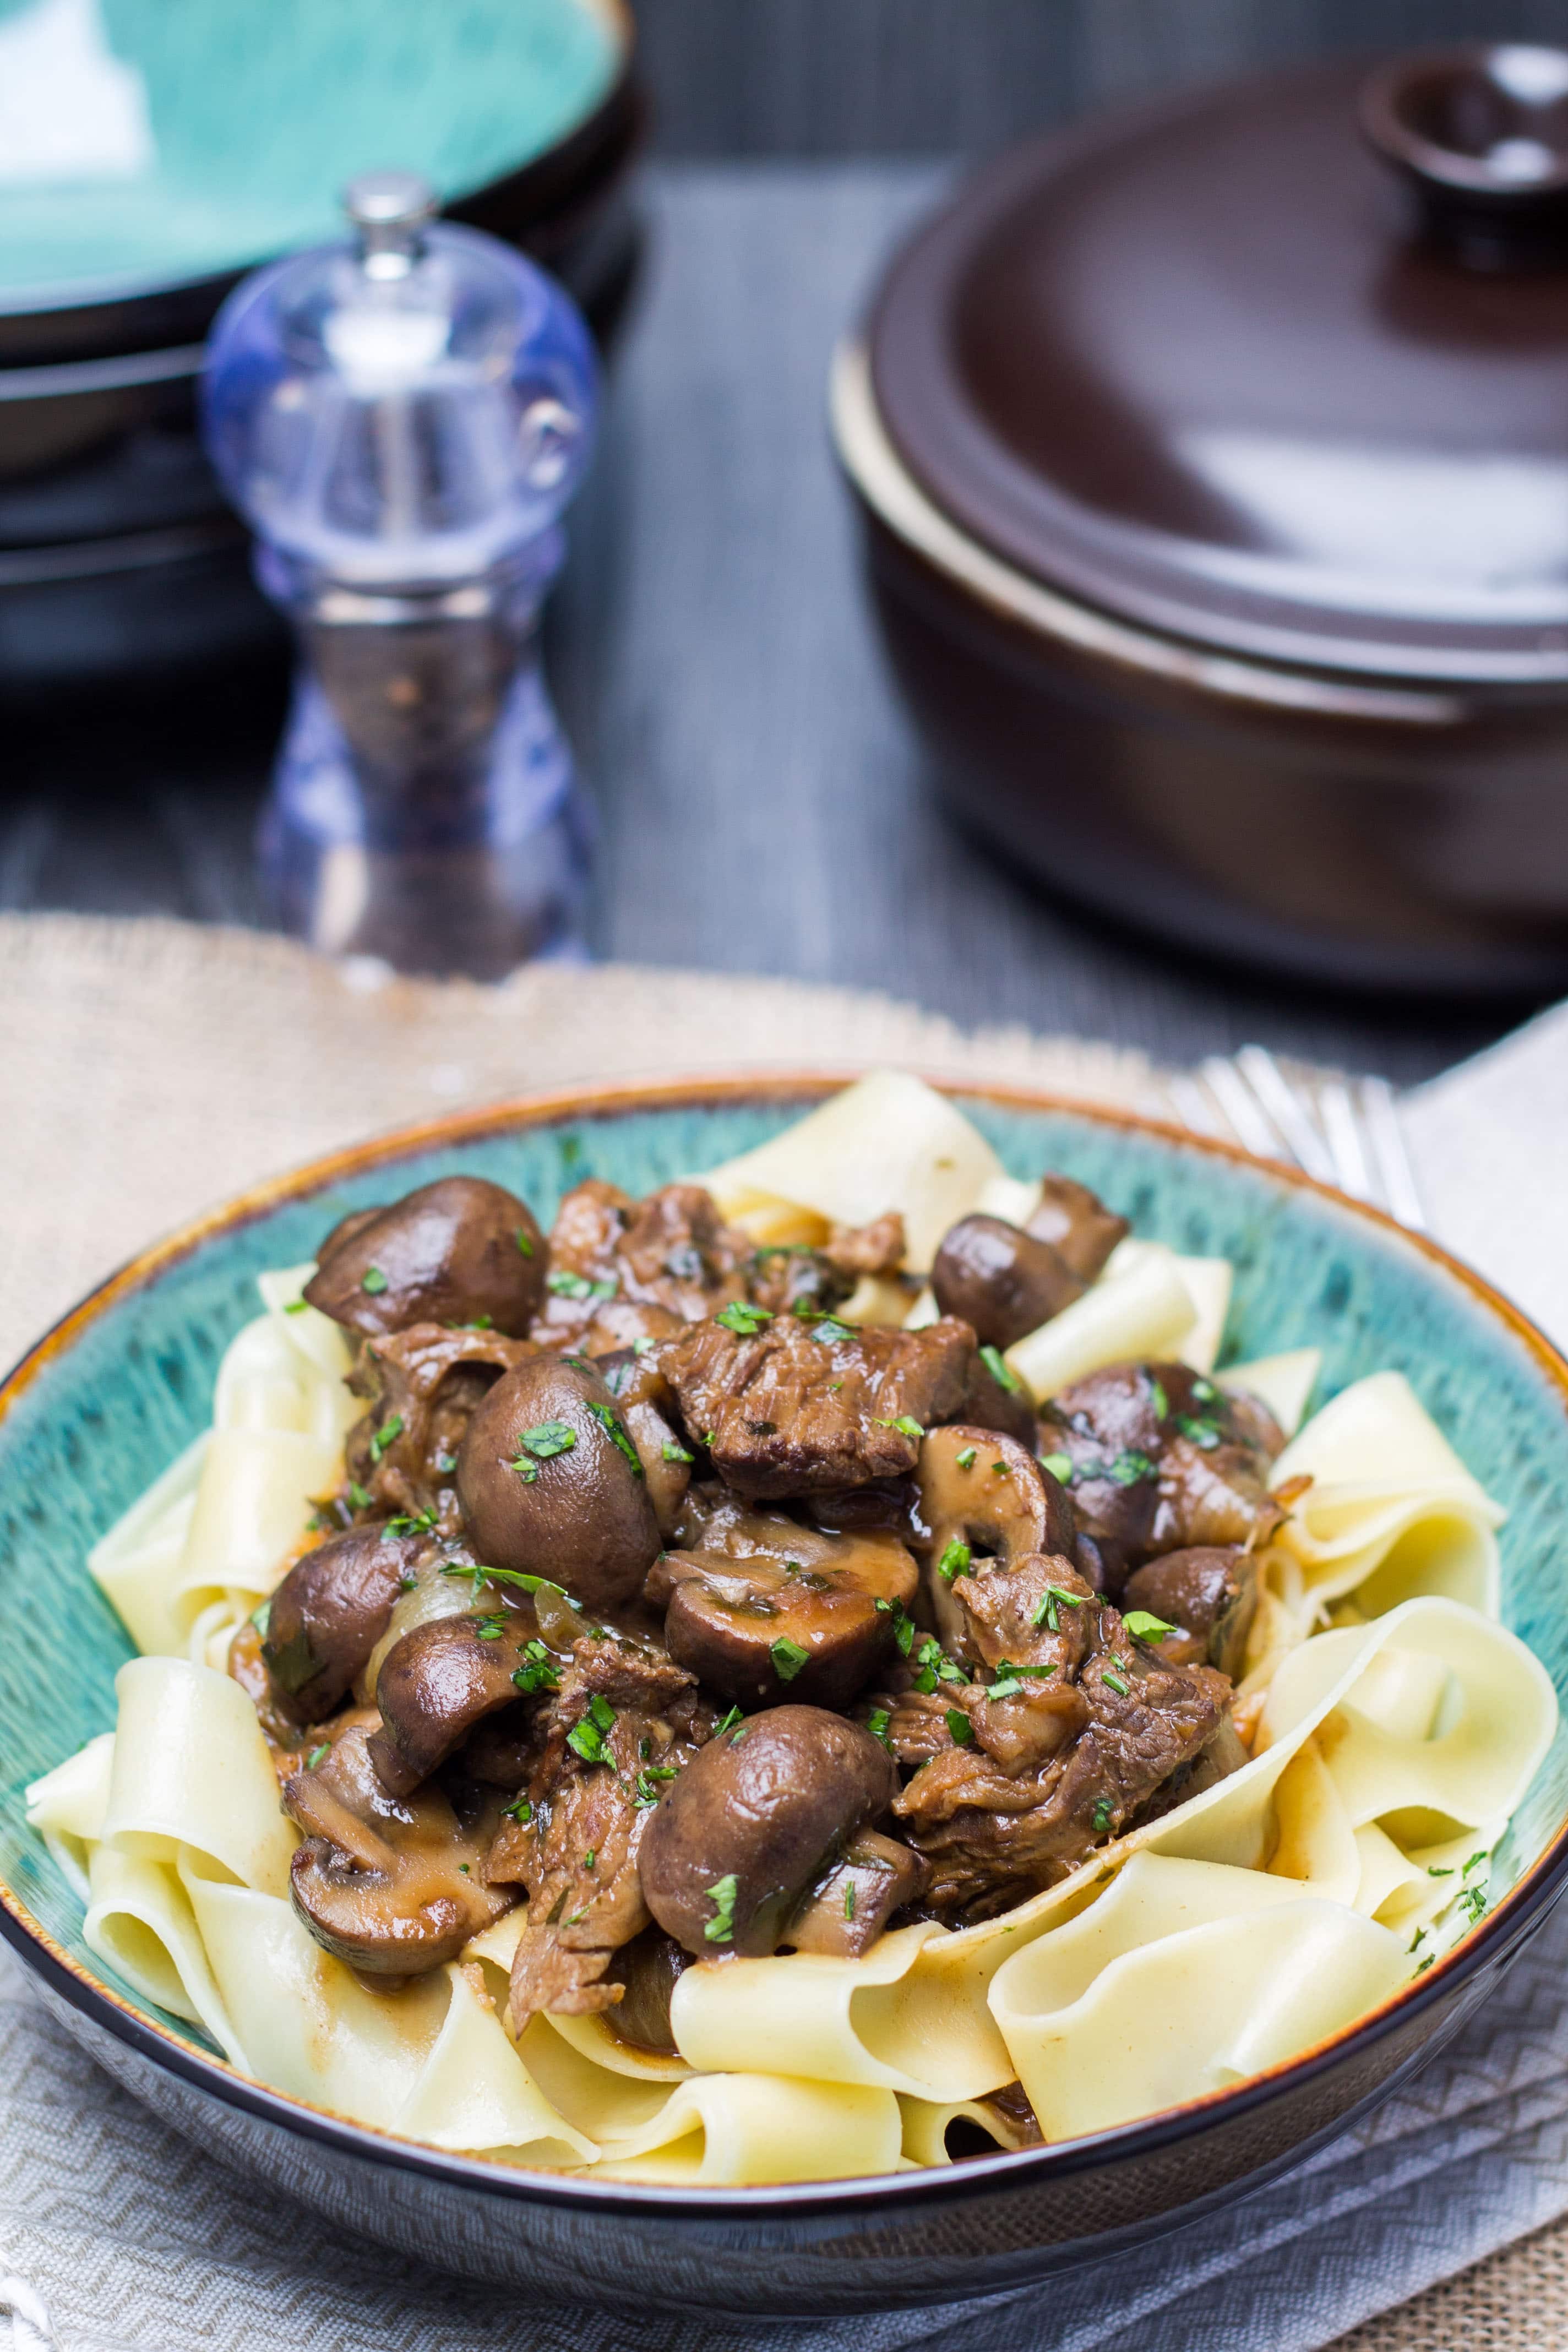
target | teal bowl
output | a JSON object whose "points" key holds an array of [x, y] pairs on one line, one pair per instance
{"points": [[124, 1383]]}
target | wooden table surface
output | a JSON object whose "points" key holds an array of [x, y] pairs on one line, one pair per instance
{"points": [[760, 796]]}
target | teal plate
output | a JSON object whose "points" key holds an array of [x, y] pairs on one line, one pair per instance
{"points": [[186, 139], [124, 1383]]}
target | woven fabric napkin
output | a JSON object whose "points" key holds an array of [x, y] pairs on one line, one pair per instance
{"points": [[153, 1067]]}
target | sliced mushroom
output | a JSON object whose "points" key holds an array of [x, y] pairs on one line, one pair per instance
{"points": [[458, 1251], [328, 1614], [1078, 1226], [1209, 1593], [753, 1820], [1002, 1281], [647, 1405], [981, 1496], [549, 1481], [438, 1684], [851, 1905], [392, 1887], [769, 1609]]}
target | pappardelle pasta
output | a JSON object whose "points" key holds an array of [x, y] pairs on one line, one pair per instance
{"points": [[766, 1682]]}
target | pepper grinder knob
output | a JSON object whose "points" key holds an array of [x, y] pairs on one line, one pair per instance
{"points": [[403, 417], [1479, 135]]}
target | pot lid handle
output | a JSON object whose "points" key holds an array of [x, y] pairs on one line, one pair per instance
{"points": [[1481, 134]]}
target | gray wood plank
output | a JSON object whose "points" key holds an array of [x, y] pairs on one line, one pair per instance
{"points": [[936, 77]]}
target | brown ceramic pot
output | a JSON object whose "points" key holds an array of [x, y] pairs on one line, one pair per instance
{"points": [[1212, 486]]}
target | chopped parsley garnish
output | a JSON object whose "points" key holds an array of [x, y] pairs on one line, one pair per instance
{"points": [[1001, 1372], [417, 1523], [389, 1432], [261, 1616], [1127, 1468], [1424, 1965], [1474, 1862], [1418, 1937], [577, 1286], [1059, 1467], [1158, 1398], [964, 1457], [1009, 1679], [1204, 1391], [587, 1737], [317, 1756], [906, 1424], [296, 1306], [519, 1811], [935, 1667], [849, 1899], [538, 1671], [788, 1658], [478, 1576], [903, 1624], [1204, 1434], [543, 1443], [1145, 1627], [374, 1280], [827, 1327], [465, 1867], [490, 1629], [446, 1463], [742, 1317], [524, 1240], [1434, 1871], [648, 1787], [673, 1453], [1473, 1899], [1103, 1812], [720, 1929], [959, 1726], [1045, 1608], [955, 1559], [876, 1724], [408, 1583], [1109, 1675], [357, 1495], [590, 1857], [727, 1723], [614, 1430]]}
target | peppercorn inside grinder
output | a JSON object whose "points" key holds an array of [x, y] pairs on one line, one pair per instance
{"points": [[402, 418]]}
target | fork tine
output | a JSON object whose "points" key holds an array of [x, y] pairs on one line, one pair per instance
{"points": [[1242, 1107], [1196, 1106], [1380, 1110], [1286, 1109], [1336, 1106]]}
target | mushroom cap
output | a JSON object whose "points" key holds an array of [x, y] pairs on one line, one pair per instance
{"points": [[328, 1614], [764, 1807], [550, 1483], [436, 1683], [1078, 1226], [452, 1252], [1002, 1281], [1210, 1592], [809, 1619]]}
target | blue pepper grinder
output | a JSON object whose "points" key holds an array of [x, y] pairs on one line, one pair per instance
{"points": [[403, 419]]}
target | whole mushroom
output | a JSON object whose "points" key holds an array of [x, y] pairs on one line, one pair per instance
{"points": [[459, 1251], [1002, 1281], [328, 1614], [550, 1484], [754, 1822]]}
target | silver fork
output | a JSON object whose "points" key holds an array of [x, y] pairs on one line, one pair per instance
{"points": [[1345, 1131]]}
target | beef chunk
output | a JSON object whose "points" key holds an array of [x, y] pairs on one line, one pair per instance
{"points": [[783, 1410], [622, 1722], [1160, 1459], [997, 1820], [671, 1251], [876, 1248]]}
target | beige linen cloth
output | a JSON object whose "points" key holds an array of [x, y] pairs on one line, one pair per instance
{"points": [[151, 1068]]}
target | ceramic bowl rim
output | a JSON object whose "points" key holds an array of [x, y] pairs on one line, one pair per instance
{"points": [[1009, 2169]]}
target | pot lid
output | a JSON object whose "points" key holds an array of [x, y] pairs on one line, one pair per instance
{"points": [[1280, 367]]}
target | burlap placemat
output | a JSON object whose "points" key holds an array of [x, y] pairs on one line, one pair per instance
{"points": [[151, 1068]]}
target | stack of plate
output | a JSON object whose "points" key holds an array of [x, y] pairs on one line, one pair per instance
{"points": [[150, 153]]}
